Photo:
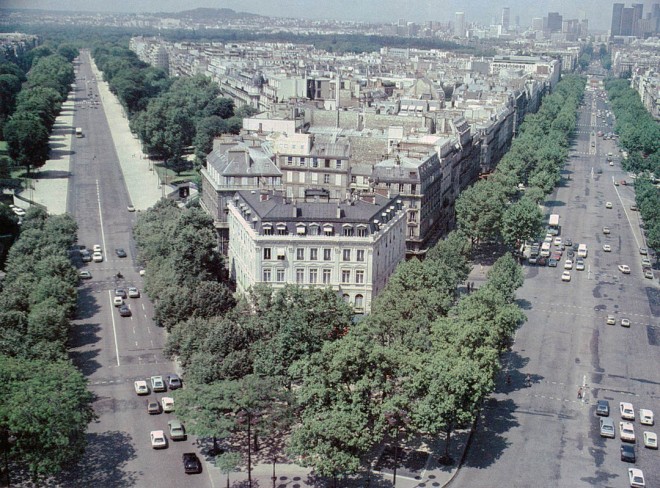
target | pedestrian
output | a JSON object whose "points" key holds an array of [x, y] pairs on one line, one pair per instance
{"points": [[580, 393]]}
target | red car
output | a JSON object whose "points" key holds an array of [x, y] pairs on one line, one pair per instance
{"points": [[623, 182]]}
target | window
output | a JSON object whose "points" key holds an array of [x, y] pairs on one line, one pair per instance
{"points": [[315, 163], [347, 254], [328, 230], [280, 275], [314, 229], [289, 160], [359, 301], [362, 232], [281, 253], [345, 275], [302, 162], [353, 179], [327, 163], [339, 164], [326, 179], [327, 276], [413, 189], [401, 187], [301, 177], [300, 253], [313, 254], [313, 275], [348, 231], [300, 276], [359, 277], [267, 253], [327, 254], [360, 255], [267, 275], [281, 231], [268, 231]]}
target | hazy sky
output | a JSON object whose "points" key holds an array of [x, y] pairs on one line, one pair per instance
{"points": [[599, 12]]}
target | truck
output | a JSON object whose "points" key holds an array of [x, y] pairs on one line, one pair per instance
{"points": [[545, 249], [582, 251], [79, 132], [553, 224]]}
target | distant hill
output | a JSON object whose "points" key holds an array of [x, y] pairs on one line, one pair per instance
{"points": [[210, 14]]}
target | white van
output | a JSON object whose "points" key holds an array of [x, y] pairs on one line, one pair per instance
{"points": [[545, 249], [582, 251]]}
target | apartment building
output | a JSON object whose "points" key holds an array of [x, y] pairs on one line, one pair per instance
{"points": [[235, 165], [351, 247]]}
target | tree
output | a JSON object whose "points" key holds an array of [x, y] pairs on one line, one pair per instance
{"points": [[27, 140], [47, 438], [521, 221], [479, 210], [228, 462]]}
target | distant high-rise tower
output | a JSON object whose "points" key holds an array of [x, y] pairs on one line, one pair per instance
{"points": [[638, 15], [627, 21], [617, 10], [554, 21], [505, 18], [537, 23], [459, 27]]}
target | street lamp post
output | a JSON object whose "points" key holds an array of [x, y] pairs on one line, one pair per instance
{"points": [[396, 420], [245, 417]]}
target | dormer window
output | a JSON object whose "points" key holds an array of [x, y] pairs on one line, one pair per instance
{"points": [[328, 230], [267, 229]]}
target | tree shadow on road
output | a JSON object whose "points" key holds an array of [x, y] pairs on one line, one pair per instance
{"points": [[102, 465]]}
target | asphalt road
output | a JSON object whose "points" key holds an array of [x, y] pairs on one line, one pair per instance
{"points": [[114, 351], [544, 435]]}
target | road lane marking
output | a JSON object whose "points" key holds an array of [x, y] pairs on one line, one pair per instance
{"points": [[114, 328], [98, 197]]}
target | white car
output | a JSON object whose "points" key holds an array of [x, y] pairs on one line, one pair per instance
{"points": [[624, 268], [650, 440], [646, 262], [568, 264], [645, 416], [608, 205], [627, 431], [97, 257], [168, 404], [557, 241], [636, 478], [566, 276], [18, 211], [606, 230], [625, 322], [117, 301], [130, 208], [157, 383], [158, 439], [611, 320], [97, 248], [611, 164], [133, 292], [579, 265], [607, 248], [141, 387], [627, 411]]}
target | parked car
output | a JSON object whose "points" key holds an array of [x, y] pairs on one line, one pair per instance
{"points": [[97, 257], [648, 273], [173, 381], [568, 264], [167, 404], [85, 275], [645, 416], [552, 263], [177, 431], [627, 411], [158, 439], [636, 478], [607, 427], [191, 463], [130, 208], [628, 453], [626, 431], [153, 407], [141, 387], [579, 265], [603, 408], [650, 440], [157, 383]]}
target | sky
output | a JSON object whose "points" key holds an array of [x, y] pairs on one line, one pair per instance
{"points": [[599, 12]]}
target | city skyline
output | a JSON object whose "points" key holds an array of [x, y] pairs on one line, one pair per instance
{"points": [[381, 11]]}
